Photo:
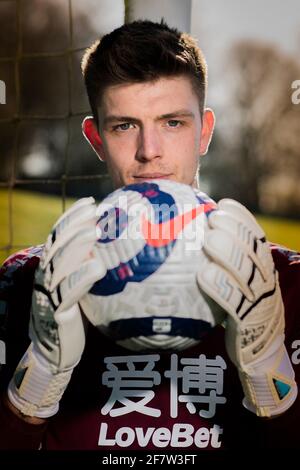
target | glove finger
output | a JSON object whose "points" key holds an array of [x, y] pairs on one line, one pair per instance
{"points": [[235, 239], [222, 287], [81, 216], [243, 216], [79, 282], [219, 284], [227, 252], [71, 328], [75, 209], [68, 258]]}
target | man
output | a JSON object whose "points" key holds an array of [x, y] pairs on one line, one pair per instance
{"points": [[146, 85]]}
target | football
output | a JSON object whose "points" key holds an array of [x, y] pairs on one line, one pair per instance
{"points": [[150, 237]]}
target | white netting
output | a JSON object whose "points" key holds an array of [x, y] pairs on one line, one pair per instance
{"points": [[15, 56]]}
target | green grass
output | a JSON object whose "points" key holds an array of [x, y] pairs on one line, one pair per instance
{"points": [[285, 232], [33, 215]]}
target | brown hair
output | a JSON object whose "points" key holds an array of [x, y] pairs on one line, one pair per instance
{"points": [[142, 51]]}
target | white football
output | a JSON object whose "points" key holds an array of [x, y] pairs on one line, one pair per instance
{"points": [[150, 241]]}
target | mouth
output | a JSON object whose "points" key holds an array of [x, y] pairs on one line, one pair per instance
{"points": [[152, 176]]}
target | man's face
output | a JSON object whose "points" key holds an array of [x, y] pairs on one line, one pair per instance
{"points": [[153, 130]]}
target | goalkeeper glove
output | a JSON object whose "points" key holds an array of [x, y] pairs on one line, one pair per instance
{"points": [[238, 273], [66, 271]]}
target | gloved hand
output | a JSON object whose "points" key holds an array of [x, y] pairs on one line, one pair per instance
{"points": [[67, 270], [238, 273]]}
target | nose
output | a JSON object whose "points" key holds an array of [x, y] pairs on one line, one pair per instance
{"points": [[149, 144]]}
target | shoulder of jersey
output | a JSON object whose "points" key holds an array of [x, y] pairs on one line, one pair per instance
{"points": [[19, 263], [285, 257]]}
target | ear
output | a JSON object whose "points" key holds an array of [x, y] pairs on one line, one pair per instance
{"points": [[90, 132], [208, 124]]}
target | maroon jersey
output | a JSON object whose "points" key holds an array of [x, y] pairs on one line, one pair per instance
{"points": [[184, 401]]}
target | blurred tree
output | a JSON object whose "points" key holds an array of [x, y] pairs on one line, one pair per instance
{"points": [[263, 149]]}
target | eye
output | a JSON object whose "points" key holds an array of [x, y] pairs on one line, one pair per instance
{"points": [[123, 127], [174, 123]]}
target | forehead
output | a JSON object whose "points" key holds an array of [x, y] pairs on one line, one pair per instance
{"points": [[160, 96]]}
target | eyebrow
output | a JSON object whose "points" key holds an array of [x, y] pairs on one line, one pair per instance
{"points": [[174, 114]]}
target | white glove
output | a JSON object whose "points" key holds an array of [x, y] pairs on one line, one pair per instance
{"points": [[67, 270], [238, 273]]}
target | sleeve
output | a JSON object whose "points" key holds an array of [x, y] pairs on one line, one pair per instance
{"points": [[16, 282], [15, 433], [283, 431]]}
